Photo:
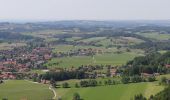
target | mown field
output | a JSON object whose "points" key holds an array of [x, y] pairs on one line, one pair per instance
{"points": [[24, 90], [113, 92], [104, 59], [27, 90]]}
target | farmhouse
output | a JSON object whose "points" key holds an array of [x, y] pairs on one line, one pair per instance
{"points": [[101, 75], [146, 75], [167, 65], [7, 75], [113, 72], [168, 81], [45, 81]]}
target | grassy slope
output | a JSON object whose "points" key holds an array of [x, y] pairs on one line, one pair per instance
{"points": [[114, 92], [20, 89]]}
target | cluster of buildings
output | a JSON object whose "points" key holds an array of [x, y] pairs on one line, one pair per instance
{"points": [[22, 61], [80, 52]]}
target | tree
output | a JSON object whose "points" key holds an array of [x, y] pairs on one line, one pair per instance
{"points": [[92, 83], [65, 85], [59, 98], [1, 81], [125, 79], [136, 79], [76, 96], [53, 83], [108, 72], [109, 82], [105, 82], [151, 79], [76, 85], [4, 99], [163, 80], [139, 97], [100, 82], [84, 83], [127, 50], [113, 82], [118, 47]]}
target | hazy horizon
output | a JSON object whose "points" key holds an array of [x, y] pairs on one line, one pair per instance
{"points": [[54, 10]]}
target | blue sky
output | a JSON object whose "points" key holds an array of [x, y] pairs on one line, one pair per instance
{"points": [[84, 9]]}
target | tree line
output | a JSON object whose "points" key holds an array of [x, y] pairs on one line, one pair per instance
{"points": [[63, 75]]}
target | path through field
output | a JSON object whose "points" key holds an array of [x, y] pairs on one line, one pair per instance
{"points": [[50, 88], [55, 95], [94, 60]]}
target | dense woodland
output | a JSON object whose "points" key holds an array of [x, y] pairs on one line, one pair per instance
{"points": [[151, 63]]}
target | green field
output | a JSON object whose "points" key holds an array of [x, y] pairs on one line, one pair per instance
{"points": [[24, 90], [6, 46], [155, 36], [114, 59], [67, 48], [63, 48], [105, 59], [73, 39], [122, 41], [113, 92], [95, 39]]}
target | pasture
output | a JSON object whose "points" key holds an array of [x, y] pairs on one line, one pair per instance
{"points": [[121, 41], [155, 36], [105, 59], [113, 92], [24, 90], [7, 46]]}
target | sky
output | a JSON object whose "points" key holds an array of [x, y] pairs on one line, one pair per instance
{"points": [[51, 10]]}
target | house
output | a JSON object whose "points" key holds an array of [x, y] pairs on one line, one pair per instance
{"points": [[167, 65], [2, 67], [101, 75], [156, 74], [7, 75], [47, 57], [146, 75], [168, 81], [45, 81], [113, 72]]}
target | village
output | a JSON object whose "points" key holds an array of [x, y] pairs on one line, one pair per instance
{"points": [[19, 61]]}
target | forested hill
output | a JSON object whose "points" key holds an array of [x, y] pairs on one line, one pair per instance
{"points": [[13, 36], [151, 63]]}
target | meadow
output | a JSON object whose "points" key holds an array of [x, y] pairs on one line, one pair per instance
{"points": [[112, 92], [7, 46], [155, 36], [104, 59], [27, 90], [24, 90], [121, 41]]}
